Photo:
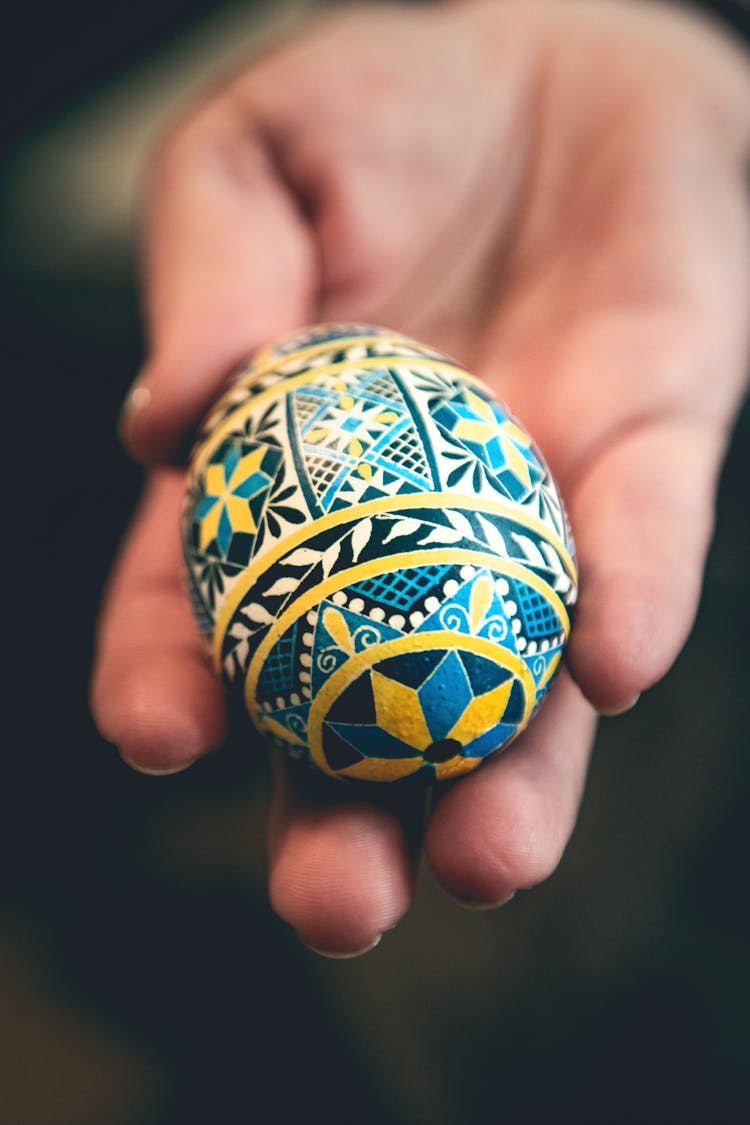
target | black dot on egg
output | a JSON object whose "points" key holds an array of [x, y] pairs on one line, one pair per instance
{"points": [[442, 751]]}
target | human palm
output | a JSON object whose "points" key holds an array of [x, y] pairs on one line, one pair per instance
{"points": [[551, 193]]}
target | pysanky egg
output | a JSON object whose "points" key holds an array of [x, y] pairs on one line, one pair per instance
{"points": [[378, 556]]}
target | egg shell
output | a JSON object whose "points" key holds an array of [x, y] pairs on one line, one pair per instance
{"points": [[378, 556]]}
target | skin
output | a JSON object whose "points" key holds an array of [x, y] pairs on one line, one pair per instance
{"points": [[554, 194]]}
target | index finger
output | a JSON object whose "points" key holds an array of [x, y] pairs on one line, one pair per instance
{"points": [[229, 262]]}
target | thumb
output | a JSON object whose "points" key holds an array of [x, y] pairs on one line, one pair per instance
{"points": [[229, 263]]}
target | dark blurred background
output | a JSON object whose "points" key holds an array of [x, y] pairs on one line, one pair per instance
{"points": [[143, 978]]}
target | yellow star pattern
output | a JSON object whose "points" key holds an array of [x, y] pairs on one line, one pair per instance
{"points": [[222, 490], [399, 713]]}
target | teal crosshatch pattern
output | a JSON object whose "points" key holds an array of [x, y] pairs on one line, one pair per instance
{"points": [[278, 672], [538, 618], [401, 589]]}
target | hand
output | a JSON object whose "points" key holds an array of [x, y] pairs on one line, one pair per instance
{"points": [[554, 195]]}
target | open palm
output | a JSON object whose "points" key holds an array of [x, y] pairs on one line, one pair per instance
{"points": [[554, 195]]}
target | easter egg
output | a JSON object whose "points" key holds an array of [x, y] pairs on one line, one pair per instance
{"points": [[378, 556]]}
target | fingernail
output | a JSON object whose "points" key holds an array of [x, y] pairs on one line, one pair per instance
{"points": [[137, 399], [473, 904], [344, 956], [150, 771], [620, 710]]}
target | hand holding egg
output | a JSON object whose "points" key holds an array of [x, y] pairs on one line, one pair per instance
{"points": [[344, 181]]}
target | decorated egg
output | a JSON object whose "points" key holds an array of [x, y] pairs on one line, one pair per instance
{"points": [[378, 556]]}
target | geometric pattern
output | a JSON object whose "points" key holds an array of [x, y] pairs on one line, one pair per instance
{"points": [[398, 709], [378, 555], [535, 612], [456, 669], [400, 589], [347, 437], [482, 427], [231, 496]]}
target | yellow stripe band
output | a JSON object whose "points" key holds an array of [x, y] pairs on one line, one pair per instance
{"points": [[243, 411], [409, 559], [387, 504], [266, 360]]}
